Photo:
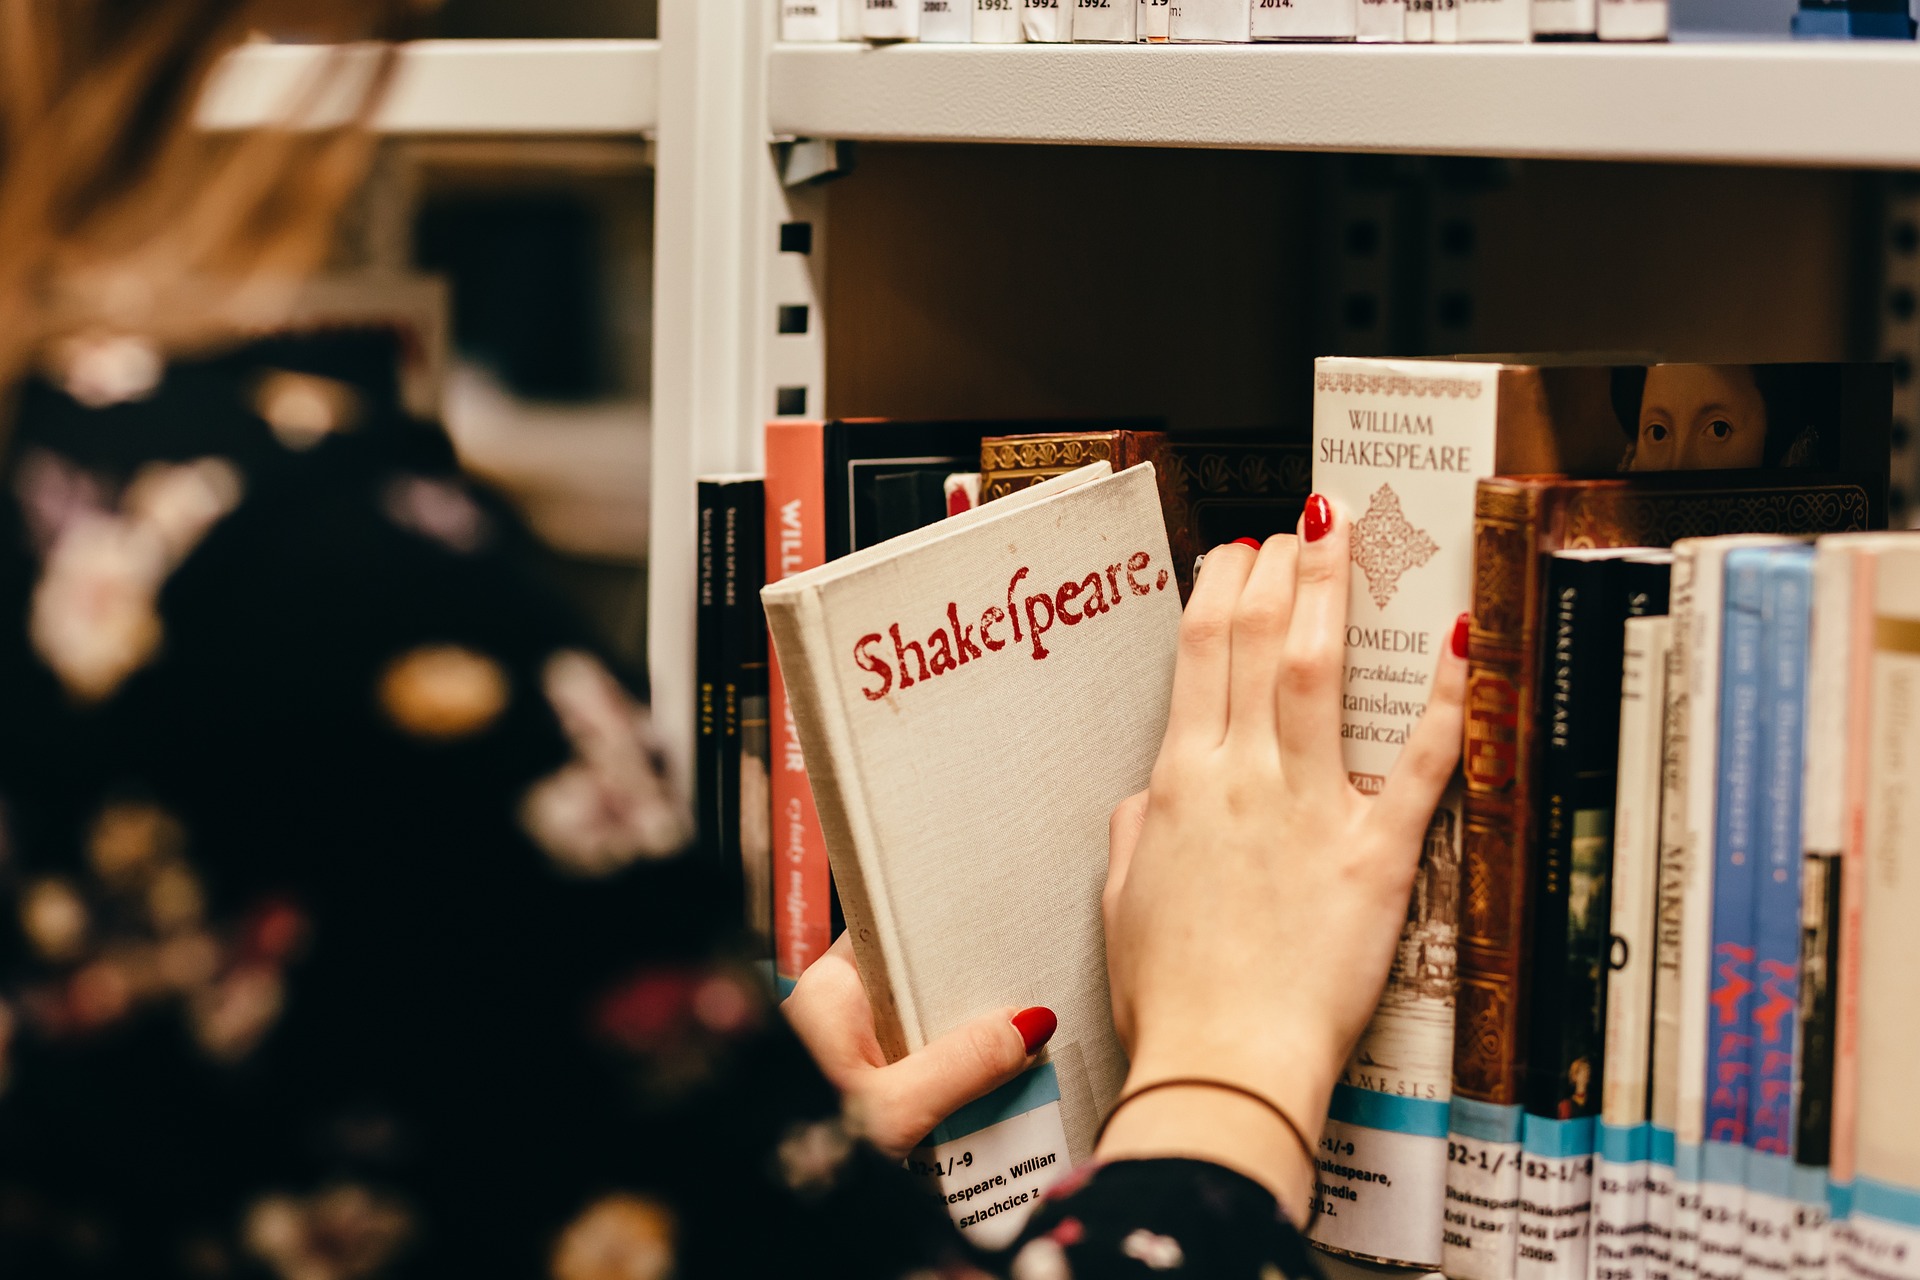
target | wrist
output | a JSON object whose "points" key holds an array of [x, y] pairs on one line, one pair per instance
{"points": [[1190, 1118], [1294, 1075]]}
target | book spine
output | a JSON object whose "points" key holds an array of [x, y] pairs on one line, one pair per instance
{"points": [[1495, 21], [1046, 21], [1700, 639], [811, 21], [1663, 1075], [1489, 1043], [796, 540], [1152, 21], [890, 19], [1853, 895], [997, 22], [1209, 21], [1105, 21], [1446, 21], [1823, 827], [1785, 615], [1579, 728], [747, 636], [1381, 21], [1631, 19], [1729, 1038], [1621, 1171], [707, 630], [1883, 1235], [1302, 19], [1564, 18], [727, 698], [946, 21], [810, 704], [1419, 21], [1413, 557]]}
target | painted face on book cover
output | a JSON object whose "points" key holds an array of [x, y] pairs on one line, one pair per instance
{"points": [[1696, 417]]}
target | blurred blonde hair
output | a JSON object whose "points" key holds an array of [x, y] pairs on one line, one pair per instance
{"points": [[117, 212]]}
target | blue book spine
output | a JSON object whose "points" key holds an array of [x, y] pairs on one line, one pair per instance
{"points": [[1786, 614], [1731, 986]]}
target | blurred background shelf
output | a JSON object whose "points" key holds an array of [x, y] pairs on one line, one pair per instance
{"points": [[573, 88], [1818, 104]]}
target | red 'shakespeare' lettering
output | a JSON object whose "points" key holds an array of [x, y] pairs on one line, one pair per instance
{"points": [[951, 645]]}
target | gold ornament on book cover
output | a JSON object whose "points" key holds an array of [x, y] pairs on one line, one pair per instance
{"points": [[1386, 545]]}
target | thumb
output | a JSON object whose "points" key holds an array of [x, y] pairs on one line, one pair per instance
{"points": [[903, 1102]]}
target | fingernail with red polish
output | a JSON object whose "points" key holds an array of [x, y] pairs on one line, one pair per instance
{"points": [[1036, 1026], [1249, 542], [1318, 519], [1460, 626]]}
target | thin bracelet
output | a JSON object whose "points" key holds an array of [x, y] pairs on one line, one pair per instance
{"points": [[1201, 1082]]}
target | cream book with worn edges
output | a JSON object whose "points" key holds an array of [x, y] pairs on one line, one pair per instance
{"points": [[972, 700]]}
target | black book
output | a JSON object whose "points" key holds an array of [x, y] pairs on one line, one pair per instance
{"points": [[746, 831], [1589, 597], [707, 630]]}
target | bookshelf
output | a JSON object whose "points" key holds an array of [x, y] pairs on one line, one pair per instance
{"points": [[1174, 246], [1829, 105], [573, 88]]}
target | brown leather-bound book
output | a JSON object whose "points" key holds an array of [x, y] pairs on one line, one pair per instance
{"points": [[1211, 490], [1233, 487], [1518, 523]]}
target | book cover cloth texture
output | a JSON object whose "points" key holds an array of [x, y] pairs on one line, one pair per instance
{"points": [[955, 695]]}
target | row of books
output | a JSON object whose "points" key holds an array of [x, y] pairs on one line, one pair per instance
{"points": [[1469, 1142], [1382, 21], [1613, 1038], [832, 488]]}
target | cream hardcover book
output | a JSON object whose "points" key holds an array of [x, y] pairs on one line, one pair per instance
{"points": [[1882, 1237], [973, 699]]}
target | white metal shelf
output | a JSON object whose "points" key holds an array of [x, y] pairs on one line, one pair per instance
{"points": [[1830, 105], [555, 87]]}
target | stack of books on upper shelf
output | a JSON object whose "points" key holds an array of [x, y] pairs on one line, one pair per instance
{"points": [[1367, 21]]}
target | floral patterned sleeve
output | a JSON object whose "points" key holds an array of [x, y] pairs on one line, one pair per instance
{"points": [[346, 931]]}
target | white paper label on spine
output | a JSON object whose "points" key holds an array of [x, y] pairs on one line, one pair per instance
{"points": [[996, 22], [1617, 1249], [1483, 1191], [1419, 21], [993, 1159], [1495, 21], [1305, 19], [1556, 1199], [890, 19], [1379, 1192], [1104, 21], [810, 20], [1882, 1245], [1632, 19], [946, 21], [1152, 19], [1381, 21], [1208, 21], [1047, 21], [1563, 17], [1659, 1237]]}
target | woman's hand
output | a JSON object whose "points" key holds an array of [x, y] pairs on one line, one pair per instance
{"points": [[1255, 897], [895, 1106]]}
